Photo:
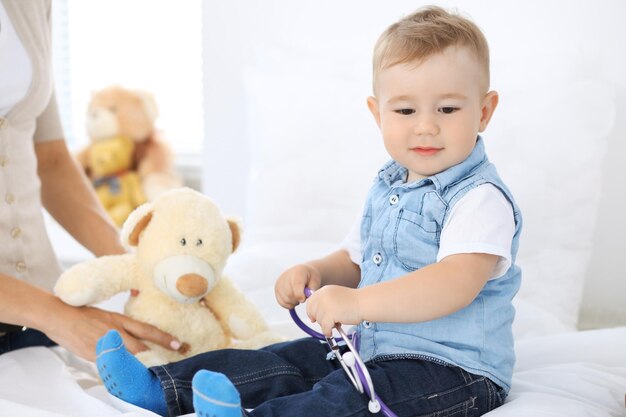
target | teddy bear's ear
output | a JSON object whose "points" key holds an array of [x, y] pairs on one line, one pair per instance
{"points": [[235, 230], [136, 222], [149, 104]]}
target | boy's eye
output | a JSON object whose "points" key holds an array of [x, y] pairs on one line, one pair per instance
{"points": [[405, 112], [448, 110]]}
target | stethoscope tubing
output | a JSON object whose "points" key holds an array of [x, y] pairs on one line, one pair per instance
{"points": [[364, 383]]}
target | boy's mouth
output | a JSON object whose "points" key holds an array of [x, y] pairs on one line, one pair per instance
{"points": [[425, 150]]}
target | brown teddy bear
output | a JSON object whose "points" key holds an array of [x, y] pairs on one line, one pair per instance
{"points": [[181, 242], [119, 112]]}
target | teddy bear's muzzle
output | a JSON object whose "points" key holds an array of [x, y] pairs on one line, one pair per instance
{"points": [[185, 278]]}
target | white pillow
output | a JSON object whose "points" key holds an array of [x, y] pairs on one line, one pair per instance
{"points": [[315, 152], [549, 145]]}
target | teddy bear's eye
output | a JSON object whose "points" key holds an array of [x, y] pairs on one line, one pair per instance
{"points": [[183, 241], [199, 242]]}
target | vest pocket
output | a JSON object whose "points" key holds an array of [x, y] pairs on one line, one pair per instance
{"points": [[415, 240]]}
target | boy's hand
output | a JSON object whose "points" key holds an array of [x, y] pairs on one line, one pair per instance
{"points": [[289, 287], [332, 305]]}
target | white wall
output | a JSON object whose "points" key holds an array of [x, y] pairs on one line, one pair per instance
{"points": [[528, 39]]}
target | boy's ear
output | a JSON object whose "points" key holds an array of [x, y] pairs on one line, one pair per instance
{"points": [[372, 104], [490, 102]]}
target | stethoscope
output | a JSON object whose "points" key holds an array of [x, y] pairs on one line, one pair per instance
{"points": [[350, 361]]}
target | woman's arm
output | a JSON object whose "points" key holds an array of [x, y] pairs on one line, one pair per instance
{"points": [[75, 328], [70, 199]]}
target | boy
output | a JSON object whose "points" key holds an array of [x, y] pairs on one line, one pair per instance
{"points": [[428, 276]]}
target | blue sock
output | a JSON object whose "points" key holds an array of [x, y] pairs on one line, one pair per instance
{"points": [[214, 395], [127, 378]]}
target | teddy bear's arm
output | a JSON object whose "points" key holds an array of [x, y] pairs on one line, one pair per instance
{"points": [[96, 280], [235, 312]]}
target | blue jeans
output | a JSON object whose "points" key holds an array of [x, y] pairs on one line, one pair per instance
{"points": [[22, 339], [294, 379]]}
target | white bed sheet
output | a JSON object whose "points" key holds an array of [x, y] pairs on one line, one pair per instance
{"points": [[568, 374]]}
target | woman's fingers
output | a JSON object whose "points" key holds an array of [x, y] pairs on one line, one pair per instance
{"points": [[132, 344], [142, 331]]}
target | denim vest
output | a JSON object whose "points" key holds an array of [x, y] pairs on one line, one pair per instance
{"points": [[400, 233]]}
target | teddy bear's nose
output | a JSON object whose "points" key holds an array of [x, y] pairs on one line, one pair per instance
{"points": [[192, 285]]}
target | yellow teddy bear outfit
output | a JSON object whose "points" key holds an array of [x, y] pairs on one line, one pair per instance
{"points": [[117, 187]]}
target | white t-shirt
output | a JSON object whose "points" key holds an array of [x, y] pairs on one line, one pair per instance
{"points": [[15, 66], [480, 222]]}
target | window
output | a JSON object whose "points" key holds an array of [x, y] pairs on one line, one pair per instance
{"points": [[153, 45]]}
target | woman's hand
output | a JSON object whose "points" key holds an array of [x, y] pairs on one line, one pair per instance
{"points": [[332, 305], [289, 287], [79, 328]]}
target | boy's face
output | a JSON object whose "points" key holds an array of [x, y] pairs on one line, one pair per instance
{"points": [[430, 112]]}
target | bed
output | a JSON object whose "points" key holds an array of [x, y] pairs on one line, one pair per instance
{"points": [[298, 169], [568, 374]]}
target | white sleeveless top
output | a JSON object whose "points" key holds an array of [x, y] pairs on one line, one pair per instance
{"points": [[26, 252], [16, 70]]}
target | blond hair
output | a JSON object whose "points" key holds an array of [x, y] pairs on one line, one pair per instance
{"points": [[426, 32]]}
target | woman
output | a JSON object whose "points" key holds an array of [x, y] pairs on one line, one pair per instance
{"points": [[37, 169]]}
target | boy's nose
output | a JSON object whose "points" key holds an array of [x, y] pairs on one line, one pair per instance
{"points": [[426, 125]]}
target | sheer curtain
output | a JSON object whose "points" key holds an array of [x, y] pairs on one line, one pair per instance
{"points": [[154, 45]]}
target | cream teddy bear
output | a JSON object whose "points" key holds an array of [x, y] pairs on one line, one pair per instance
{"points": [[181, 242]]}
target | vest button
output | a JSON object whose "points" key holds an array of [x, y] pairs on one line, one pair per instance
{"points": [[4, 123], [378, 259], [20, 266], [393, 200], [9, 198], [16, 232], [3, 160]]}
